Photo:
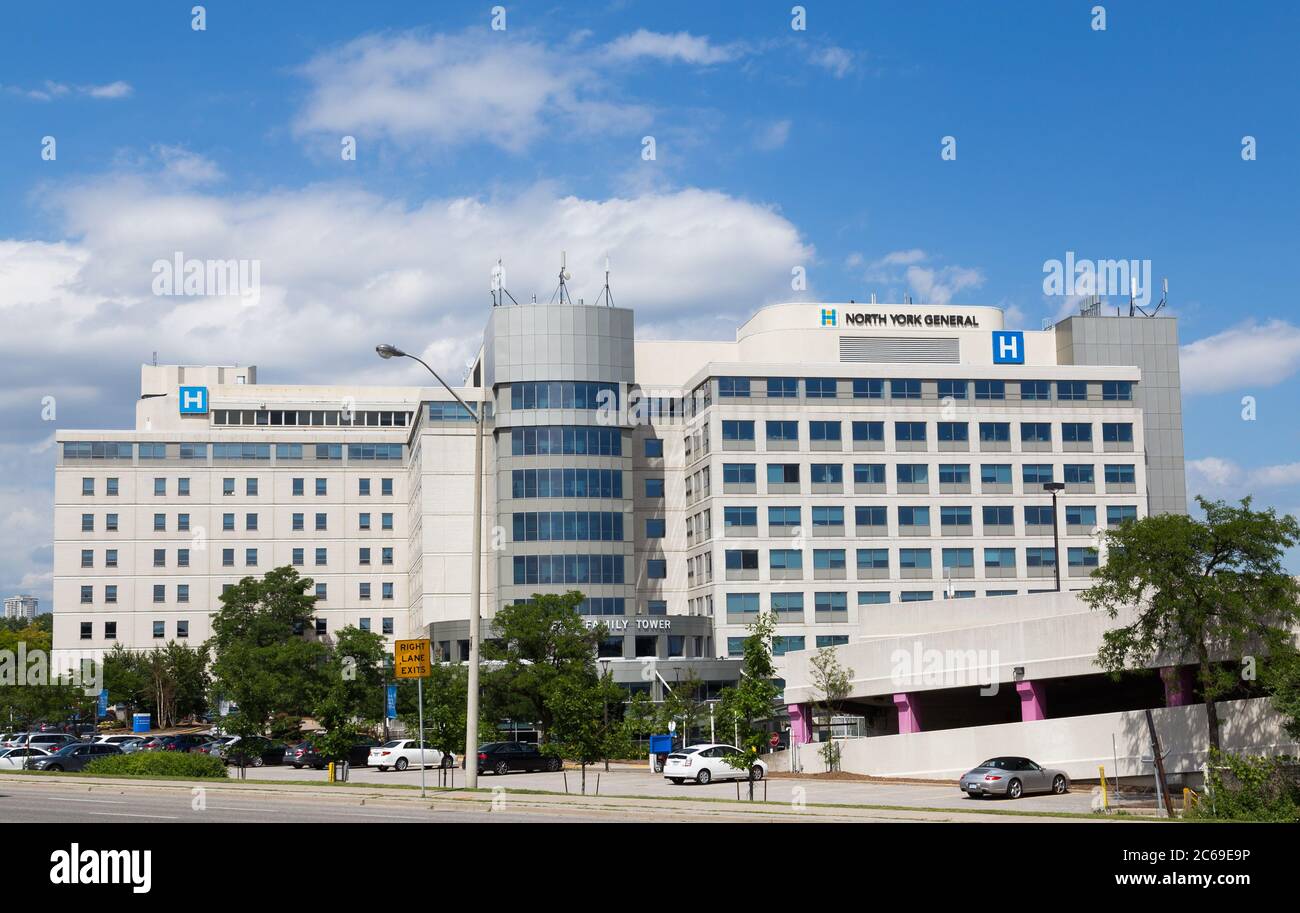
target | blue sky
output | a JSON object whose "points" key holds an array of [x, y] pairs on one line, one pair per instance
{"points": [[775, 148]]}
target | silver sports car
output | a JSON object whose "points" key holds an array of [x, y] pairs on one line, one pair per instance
{"points": [[1013, 777]]}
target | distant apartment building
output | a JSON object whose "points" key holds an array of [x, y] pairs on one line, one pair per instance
{"points": [[21, 606]]}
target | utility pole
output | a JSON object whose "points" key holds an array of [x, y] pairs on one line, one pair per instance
{"points": [[1159, 763]]}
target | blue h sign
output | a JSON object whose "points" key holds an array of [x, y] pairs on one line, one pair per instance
{"points": [[194, 400], [1008, 347], [828, 317]]}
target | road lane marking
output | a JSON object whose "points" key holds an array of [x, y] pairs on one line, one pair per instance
{"points": [[101, 801], [129, 815]]}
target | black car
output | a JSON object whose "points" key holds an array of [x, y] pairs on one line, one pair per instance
{"points": [[306, 755], [254, 751], [178, 743], [504, 757], [74, 757]]}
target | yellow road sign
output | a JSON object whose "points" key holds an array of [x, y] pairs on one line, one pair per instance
{"points": [[411, 659]]}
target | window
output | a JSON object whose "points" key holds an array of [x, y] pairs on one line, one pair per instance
{"points": [[782, 387], [655, 528], [783, 474], [110, 592], [87, 523], [183, 487], [322, 627], [1118, 514], [363, 521], [909, 431], [110, 630], [297, 522], [1077, 474], [954, 474], [654, 488], [228, 522], [990, 389], [788, 607], [182, 592], [999, 516], [1072, 390], [110, 487], [1040, 557], [913, 474], [1000, 558], [250, 557], [957, 559], [1081, 557], [827, 516], [782, 517], [864, 517], [995, 473], [250, 487], [386, 555], [322, 557], [322, 487], [364, 624], [322, 591], [733, 387], [913, 516], [556, 439], [904, 389], [736, 474], [741, 604], [566, 394], [873, 559], [160, 629], [782, 645], [914, 558], [867, 388], [160, 523], [1076, 432], [654, 447], [869, 431], [87, 557], [1117, 390], [386, 487], [835, 605], [782, 431], [734, 430], [954, 516], [1121, 474], [227, 557], [160, 557], [1036, 432], [320, 522], [869, 473], [386, 590], [386, 521], [1117, 432], [826, 474], [363, 590], [785, 559], [182, 557], [740, 516], [110, 558], [824, 431], [995, 432], [1035, 390], [228, 486], [1038, 515], [363, 488], [820, 387], [562, 569], [110, 522], [250, 521], [298, 487], [386, 625], [1037, 473], [297, 558], [87, 595], [160, 487], [953, 389], [954, 431]]}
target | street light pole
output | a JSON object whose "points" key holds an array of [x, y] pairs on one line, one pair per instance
{"points": [[475, 576], [1055, 487]]}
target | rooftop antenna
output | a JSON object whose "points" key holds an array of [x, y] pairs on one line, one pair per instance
{"points": [[499, 291], [1132, 300], [1132, 295], [155, 358], [605, 293], [562, 290], [873, 297]]}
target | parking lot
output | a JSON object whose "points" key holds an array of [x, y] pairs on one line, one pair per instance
{"points": [[624, 780]]}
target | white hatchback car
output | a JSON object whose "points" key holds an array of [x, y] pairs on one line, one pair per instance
{"points": [[400, 754], [706, 763], [16, 758]]}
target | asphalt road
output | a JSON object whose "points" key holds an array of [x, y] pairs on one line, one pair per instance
{"points": [[624, 781]]}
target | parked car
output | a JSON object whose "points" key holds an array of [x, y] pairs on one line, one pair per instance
{"points": [[503, 757], [181, 743], [305, 754], [403, 753], [50, 741], [213, 745], [1013, 777], [254, 751], [706, 763], [75, 756], [121, 741], [19, 758]]}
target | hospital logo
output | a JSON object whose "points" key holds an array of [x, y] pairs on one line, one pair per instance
{"points": [[1008, 347], [194, 400], [828, 317]]}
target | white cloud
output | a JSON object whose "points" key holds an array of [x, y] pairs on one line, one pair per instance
{"points": [[1241, 358], [680, 47], [835, 60], [448, 89], [929, 284], [773, 135], [51, 90], [1222, 477], [186, 167]]}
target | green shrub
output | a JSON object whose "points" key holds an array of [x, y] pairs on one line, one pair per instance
{"points": [[159, 764], [1244, 788]]}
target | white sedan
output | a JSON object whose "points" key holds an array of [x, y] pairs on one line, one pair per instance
{"points": [[400, 754], [15, 758], [706, 763]]}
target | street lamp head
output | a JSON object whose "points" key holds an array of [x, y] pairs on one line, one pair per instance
{"points": [[1053, 486], [387, 351]]}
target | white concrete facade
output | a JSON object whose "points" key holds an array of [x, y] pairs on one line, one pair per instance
{"points": [[895, 368]]}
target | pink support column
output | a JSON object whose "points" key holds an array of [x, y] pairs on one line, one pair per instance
{"points": [[800, 732], [1033, 701], [909, 720], [1179, 681]]}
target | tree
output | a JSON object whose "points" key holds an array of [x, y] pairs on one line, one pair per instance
{"points": [[750, 701], [1203, 591], [539, 643], [831, 681], [682, 704], [260, 659], [581, 728], [347, 703]]}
